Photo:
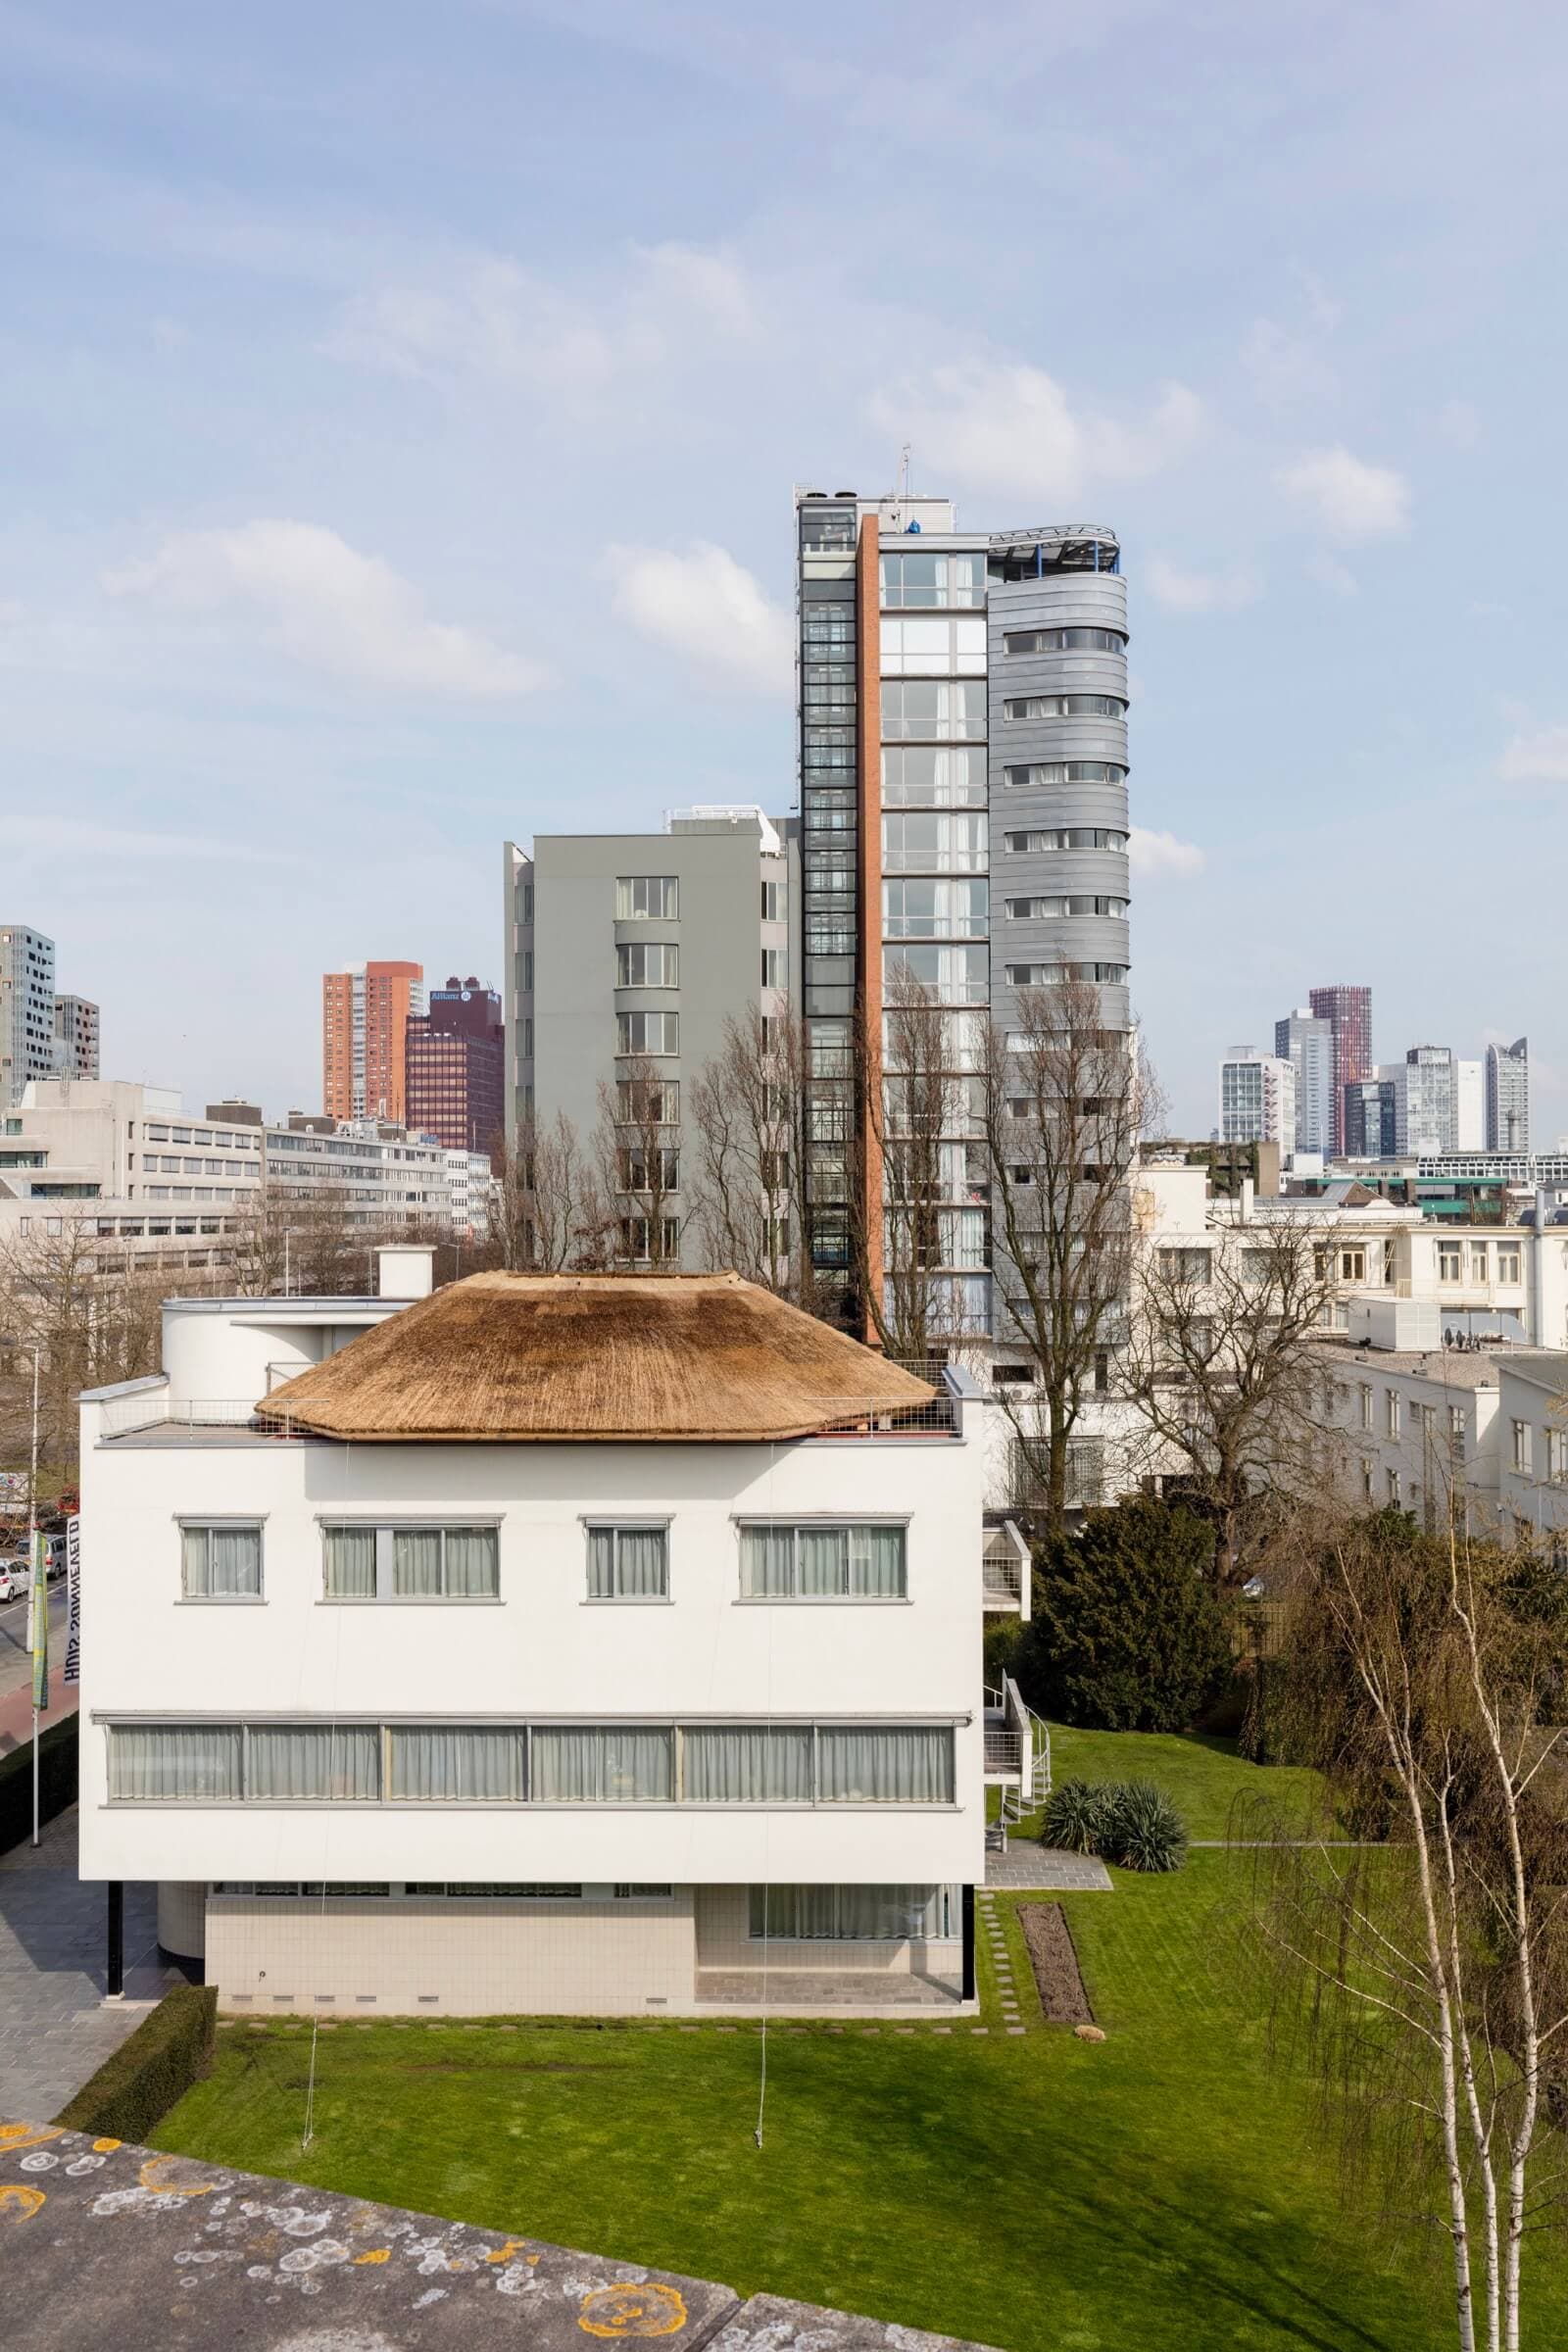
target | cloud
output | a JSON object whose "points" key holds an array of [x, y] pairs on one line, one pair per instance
{"points": [[1151, 853], [708, 607], [1009, 426], [1347, 498], [491, 319], [78, 837], [1539, 758], [322, 601], [1197, 591]]}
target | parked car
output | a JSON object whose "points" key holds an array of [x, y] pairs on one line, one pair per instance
{"points": [[54, 1558], [14, 1580]]}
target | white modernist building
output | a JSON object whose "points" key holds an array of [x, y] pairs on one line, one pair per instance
{"points": [[1256, 1098], [553, 1644]]}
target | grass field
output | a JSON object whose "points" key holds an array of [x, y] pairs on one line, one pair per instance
{"points": [[1161, 2189]]}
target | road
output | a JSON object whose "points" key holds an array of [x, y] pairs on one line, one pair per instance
{"points": [[16, 1668]]}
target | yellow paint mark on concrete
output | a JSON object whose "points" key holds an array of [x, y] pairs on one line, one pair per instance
{"points": [[18, 2203], [102, 2147], [14, 2138], [514, 2245], [633, 2308], [151, 2178], [376, 2254]]}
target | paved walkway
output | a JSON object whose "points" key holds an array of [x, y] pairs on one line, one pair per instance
{"points": [[55, 2027], [1028, 1864]]}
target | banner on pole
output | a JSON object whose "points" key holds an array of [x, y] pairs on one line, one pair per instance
{"points": [[38, 1601], [72, 1667]]}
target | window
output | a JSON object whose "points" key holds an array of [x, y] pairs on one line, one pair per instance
{"points": [[933, 843], [1063, 705], [1366, 1404], [1064, 641], [643, 1171], [1187, 1266], [650, 1892], [1521, 1447], [1392, 1485], [739, 1764], [1557, 1455], [648, 1032], [873, 1766], [927, 776], [1040, 910], [294, 1763], [220, 1561], [1450, 1262], [615, 1766], [412, 1563], [1508, 1261], [655, 1101], [1391, 1412], [774, 909], [1479, 1261], [823, 1562], [853, 1914], [174, 1763], [458, 1764], [1065, 837], [914, 648], [637, 1239], [775, 968], [932, 580], [646, 964], [628, 1563], [1042, 772], [1352, 1264], [935, 909], [654, 895], [936, 711], [1368, 1490], [1456, 1429]]}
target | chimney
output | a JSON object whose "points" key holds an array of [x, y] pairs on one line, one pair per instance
{"points": [[405, 1270]]}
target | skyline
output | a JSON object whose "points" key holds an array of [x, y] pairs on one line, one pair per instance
{"points": [[378, 457]]}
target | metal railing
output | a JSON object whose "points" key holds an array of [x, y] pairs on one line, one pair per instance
{"points": [[128, 1416]]}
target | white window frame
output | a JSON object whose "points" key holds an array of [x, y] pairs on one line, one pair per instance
{"points": [[195, 1522], [1523, 1448], [820, 1523], [630, 887], [627, 1524], [384, 1530]]}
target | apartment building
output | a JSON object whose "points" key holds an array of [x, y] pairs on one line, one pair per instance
{"points": [[1258, 1097], [655, 1784], [455, 1059], [631, 954], [27, 1008], [365, 1009], [963, 725], [1305, 1040], [75, 1038], [1507, 1097], [470, 1187], [1426, 1102]]}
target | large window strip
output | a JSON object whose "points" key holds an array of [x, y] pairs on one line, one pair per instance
{"points": [[853, 1914], [851, 1561], [759, 1764]]}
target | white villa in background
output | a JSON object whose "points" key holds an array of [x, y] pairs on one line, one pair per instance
{"points": [[551, 1644]]}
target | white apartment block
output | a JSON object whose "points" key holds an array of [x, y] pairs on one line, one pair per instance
{"points": [[426, 1684], [1258, 1099]]}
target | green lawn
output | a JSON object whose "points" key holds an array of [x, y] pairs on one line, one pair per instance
{"points": [[1163, 2188], [1206, 1778]]}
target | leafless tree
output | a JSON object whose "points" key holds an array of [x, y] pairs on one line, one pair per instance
{"points": [[93, 1319], [1429, 1984], [743, 1168], [548, 1212], [1222, 1366], [1064, 1102], [905, 1199], [637, 1164], [308, 1241]]}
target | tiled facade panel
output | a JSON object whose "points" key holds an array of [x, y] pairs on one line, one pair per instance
{"points": [[480, 1958]]}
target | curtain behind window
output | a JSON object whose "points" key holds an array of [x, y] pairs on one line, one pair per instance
{"points": [[876, 1766], [726, 1766], [415, 1562], [608, 1767], [767, 1561], [472, 1563], [824, 1554], [877, 1562], [641, 1563], [600, 1563], [456, 1763], [350, 1564], [221, 1563], [333, 1762], [158, 1761]]}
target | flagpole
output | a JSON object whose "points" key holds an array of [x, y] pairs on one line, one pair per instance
{"points": [[33, 1592]]}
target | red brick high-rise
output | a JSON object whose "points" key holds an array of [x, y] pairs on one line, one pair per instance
{"points": [[457, 1067], [1348, 1012], [364, 1018]]}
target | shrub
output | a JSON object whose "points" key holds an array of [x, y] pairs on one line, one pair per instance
{"points": [[57, 1782], [1127, 1634], [1143, 1829], [132, 2091], [1000, 1645], [1075, 1817]]}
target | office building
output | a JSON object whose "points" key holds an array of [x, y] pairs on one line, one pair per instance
{"points": [[364, 1019], [1423, 1100], [1256, 1098], [27, 1008], [630, 953], [613, 1766], [455, 1067], [1507, 1084], [1305, 1040], [75, 1038], [1369, 1121], [962, 720], [1469, 1107], [1349, 1013]]}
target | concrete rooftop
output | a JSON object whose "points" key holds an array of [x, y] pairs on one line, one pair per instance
{"points": [[109, 2244]]}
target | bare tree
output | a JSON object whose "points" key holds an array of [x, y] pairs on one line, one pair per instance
{"points": [[547, 1210], [906, 1196], [307, 1242], [1430, 1985], [743, 1169], [637, 1163], [1065, 1100], [1222, 1366], [92, 1318]]}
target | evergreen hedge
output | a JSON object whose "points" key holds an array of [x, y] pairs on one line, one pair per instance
{"points": [[134, 2090], [57, 1782]]}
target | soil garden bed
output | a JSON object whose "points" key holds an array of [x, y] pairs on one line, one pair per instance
{"points": [[1055, 1961]]}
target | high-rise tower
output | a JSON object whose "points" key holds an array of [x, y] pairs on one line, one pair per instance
{"points": [[364, 1017], [1348, 1012], [1508, 1097]]}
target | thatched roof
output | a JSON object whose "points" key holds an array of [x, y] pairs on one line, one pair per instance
{"points": [[513, 1358]]}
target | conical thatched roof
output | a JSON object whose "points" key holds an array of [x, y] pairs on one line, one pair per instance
{"points": [[513, 1358]]}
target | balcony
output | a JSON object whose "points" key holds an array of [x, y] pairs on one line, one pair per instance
{"points": [[1005, 1573]]}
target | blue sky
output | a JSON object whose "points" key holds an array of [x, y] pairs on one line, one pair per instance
{"points": [[400, 404]]}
